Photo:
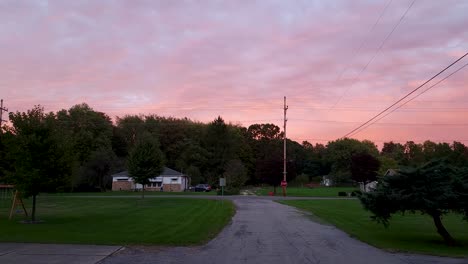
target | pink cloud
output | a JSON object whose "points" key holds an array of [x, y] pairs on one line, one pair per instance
{"points": [[238, 60]]}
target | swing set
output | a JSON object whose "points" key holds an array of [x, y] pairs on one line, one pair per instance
{"points": [[8, 192]]}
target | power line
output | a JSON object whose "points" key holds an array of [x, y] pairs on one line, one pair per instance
{"points": [[387, 140], [364, 41], [393, 110], [404, 97], [385, 124], [374, 56]]}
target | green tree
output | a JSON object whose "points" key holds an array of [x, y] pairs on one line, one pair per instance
{"points": [[315, 163], [395, 151], [87, 131], [129, 130], [267, 147], [98, 168], [459, 155], [434, 188], [5, 158], [41, 158], [145, 162], [195, 175], [364, 167], [413, 154], [221, 143], [264, 131], [339, 154], [429, 150], [235, 174], [387, 163]]}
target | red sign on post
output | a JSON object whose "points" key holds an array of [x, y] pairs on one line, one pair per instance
{"points": [[284, 184]]}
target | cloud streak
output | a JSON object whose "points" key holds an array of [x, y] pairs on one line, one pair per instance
{"points": [[238, 60]]}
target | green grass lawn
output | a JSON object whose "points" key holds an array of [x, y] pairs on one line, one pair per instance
{"points": [[129, 193], [408, 233], [305, 191], [119, 221]]}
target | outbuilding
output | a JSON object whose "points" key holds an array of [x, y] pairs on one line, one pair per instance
{"points": [[169, 181]]}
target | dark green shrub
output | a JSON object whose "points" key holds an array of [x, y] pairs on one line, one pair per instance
{"points": [[342, 194], [229, 191]]}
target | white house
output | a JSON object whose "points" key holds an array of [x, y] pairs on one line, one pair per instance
{"points": [[373, 184], [169, 181]]}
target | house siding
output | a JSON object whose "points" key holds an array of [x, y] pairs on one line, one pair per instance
{"points": [[173, 181], [172, 188], [121, 186]]}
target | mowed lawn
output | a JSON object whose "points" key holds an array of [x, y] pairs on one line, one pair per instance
{"points": [[130, 193], [120, 221], [408, 233], [307, 192]]}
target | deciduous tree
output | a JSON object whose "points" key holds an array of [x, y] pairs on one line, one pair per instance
{"points": [[145, 161], [41, 160], [364, 167], [435, 189]]}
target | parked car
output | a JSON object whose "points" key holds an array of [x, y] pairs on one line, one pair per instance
{"points": [[202, 188]]}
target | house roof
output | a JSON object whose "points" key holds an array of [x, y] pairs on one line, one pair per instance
{"points": [[391, 172], [166, 172]]}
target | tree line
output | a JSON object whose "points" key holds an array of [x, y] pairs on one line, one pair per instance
{"points": [[79, 148]]}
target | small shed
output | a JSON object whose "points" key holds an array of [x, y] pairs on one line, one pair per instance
{"points": [[169, 181]]}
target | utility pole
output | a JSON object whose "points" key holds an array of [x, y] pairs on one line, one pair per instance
{"points": [[1, 114], [284, 182]]}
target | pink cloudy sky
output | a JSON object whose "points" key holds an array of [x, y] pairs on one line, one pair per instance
{"points": [[237, 59]]}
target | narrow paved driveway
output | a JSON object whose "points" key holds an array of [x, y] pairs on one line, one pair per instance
{"points": [[264, 231]]}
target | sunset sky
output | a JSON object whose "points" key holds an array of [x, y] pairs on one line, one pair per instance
{"points": [[338, 62]]}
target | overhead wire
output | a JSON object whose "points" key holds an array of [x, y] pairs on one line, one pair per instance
{"points": [[411, 99], [406, 96], [385, 140], [374, 56], [358, 51]]}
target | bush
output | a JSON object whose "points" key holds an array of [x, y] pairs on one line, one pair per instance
{"points": [[342, 194], [229, 191], [300, 181], [356, 193]]}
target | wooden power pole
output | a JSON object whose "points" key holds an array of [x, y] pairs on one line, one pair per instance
{"points": [[284, 182], [1, 114]]}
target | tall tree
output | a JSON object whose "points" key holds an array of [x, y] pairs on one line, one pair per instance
{"points": [[364, 167], [221, 144], [264, 131], [435, 189], [235, 174], [145, 161], [459, 155], [87, 131], [395, 151], [129, 129], [266, 142], [98, 167], [339, 154], [41, 158], [429, 150], [413, 153]]}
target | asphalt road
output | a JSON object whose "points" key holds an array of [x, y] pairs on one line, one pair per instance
{"points": [[263, 231], [29, 253]]}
